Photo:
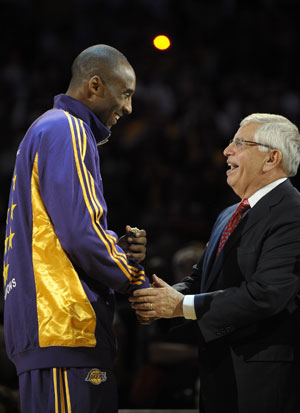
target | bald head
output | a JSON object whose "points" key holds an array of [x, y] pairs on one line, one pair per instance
{"points": [[104, 81], [99, 60]]}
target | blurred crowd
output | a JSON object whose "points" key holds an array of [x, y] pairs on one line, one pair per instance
{"points": [[163, 168]]}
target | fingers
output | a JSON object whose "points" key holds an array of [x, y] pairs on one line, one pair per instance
{"points": [[142, 303], [142, 306], [137, 254], [143, 293], [145, 314], [144, 310], [158, 282], [135, 233], [163, 302], [136, 241], [136, 247], [137, 238], [145, 302], [139, 233]]}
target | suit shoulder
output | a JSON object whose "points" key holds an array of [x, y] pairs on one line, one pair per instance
{"points": [[288, 206], [292, 196]]}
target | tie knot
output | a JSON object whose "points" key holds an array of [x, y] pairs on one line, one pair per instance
{"points": [[243, 206]]}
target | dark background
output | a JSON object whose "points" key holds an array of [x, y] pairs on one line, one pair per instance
{"points": [[163, 169]]}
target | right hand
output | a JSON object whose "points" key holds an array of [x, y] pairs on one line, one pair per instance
{"points": [[161, 300]]}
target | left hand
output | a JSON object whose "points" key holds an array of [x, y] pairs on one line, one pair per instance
{"points": [[134, 243], [159, 301]]}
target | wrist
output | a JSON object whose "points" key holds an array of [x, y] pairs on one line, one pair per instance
{"points": [[179, 307]]}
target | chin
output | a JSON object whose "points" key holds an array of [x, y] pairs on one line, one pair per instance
{"points": [[108, 125], [230, 182], [232, 185]]}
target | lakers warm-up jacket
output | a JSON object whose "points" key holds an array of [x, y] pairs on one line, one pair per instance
{"points": [[61, 263]]}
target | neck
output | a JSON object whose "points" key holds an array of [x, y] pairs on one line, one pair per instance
{"points": [[251, 191]]}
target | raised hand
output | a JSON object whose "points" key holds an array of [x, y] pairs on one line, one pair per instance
{"points": [[134, 243]]}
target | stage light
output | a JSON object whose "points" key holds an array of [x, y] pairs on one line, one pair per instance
{"points": [[162, 42]]}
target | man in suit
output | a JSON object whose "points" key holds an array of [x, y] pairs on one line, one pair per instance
{"points": [[244, 291]]}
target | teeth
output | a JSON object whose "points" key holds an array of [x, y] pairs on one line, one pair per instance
{"points": [[117, 117]]}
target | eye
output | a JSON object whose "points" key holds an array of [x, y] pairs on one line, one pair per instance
{"points": [[239, 142]]}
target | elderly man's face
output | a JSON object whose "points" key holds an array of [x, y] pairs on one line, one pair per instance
{"points": [[245, 174]]}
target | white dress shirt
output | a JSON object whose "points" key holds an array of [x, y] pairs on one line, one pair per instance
{"points": [[188, 301]]}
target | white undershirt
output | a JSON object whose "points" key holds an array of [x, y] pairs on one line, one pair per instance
{"points": [[188, 301]]}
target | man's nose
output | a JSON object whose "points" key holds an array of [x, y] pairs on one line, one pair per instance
{"points": [[229, 149], [127, 109]]}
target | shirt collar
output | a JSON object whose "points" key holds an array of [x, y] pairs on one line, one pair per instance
{"points": [[253, 199], [78, 109]]}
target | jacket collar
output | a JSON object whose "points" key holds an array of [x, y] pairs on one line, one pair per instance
{"points": [[78, 109]]}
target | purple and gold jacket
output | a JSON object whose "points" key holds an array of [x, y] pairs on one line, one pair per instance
{"points": [[61, 263]]}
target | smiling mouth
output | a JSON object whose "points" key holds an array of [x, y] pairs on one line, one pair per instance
{"points": [[116, 118], [232, 167]]}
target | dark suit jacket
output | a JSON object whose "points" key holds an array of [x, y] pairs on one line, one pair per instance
{"points": [[248, 309]]}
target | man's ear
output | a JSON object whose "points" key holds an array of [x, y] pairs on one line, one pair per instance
{"points": [[272, 160], [96, 86]]}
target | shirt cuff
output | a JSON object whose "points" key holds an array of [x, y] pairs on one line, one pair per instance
{"points": [[189, 307]]}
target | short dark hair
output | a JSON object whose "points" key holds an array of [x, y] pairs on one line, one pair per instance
{"points": [[98, 59]]}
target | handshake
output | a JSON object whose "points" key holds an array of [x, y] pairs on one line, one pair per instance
{"points": [[159, 301]]}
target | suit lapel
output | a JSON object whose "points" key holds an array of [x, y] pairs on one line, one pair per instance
{"points": [[214, 242], [260, 210]]}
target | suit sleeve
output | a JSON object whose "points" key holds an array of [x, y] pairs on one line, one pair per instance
{"points": [[191, 283], [71, 189], [270, 282]]}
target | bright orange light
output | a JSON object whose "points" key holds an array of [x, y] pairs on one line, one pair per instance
{"points": [[162, 42]]}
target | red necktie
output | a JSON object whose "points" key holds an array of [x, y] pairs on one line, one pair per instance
{"points": [[232, 223]]}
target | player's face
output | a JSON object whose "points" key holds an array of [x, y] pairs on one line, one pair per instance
{"points": [[117, 95], [245, 175]]}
